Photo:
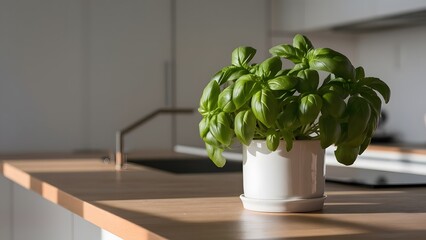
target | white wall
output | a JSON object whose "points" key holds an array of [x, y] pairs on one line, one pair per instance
{"points": [[399, 58]]}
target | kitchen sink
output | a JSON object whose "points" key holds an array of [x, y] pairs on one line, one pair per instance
{"points": [[188, 166]]}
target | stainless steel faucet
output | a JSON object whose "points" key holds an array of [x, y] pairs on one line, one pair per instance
{"points": [[120, 158]]}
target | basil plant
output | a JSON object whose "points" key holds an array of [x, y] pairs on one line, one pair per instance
{"points": [[264, 101]]}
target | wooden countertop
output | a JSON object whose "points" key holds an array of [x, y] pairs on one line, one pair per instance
{"points": [[141, 203], [398, 149]]}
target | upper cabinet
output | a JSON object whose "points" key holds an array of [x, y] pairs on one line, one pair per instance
{"points": [[41, 97], [310, 15], [73, 72], [206, 33], [129, 63]]}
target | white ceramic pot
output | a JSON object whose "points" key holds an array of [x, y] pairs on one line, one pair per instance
{"points": [[282, 181]]}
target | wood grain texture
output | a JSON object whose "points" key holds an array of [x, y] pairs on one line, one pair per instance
{"points": [[141, 203], [399, 149]]}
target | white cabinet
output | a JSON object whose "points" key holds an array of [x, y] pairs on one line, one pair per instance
{"points": [[73, 72], [320, 14], [287, 15], [5, 209], [130, 53], [41, 102], [26, 215], [389, 7], [308, 15], [207, 32], [37, 219]]}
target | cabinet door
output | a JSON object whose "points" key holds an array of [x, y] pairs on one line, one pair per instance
{"points": [[207, 32], [37, 219], [308, 15], [5, 208], [130, 48], [41, 98], [312, 15]]}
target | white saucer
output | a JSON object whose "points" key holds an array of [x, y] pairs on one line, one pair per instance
{"points": [[291, 205]]}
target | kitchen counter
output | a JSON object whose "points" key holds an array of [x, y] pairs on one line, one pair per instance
{"points": [[143, 203], [399, 148]]}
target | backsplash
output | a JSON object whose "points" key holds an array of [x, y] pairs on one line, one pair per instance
{"points": [[399, 58]]}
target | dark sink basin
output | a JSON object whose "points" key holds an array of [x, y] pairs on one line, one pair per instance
{"points": [[187, 166]]}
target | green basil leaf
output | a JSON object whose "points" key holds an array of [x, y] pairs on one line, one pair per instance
{"points": [[237, 74], [288, 52], [359, 73], [366, 137], [245, 87], [326, 80], [343, 134], [272, 140], [244, 126], [333, 104], [223, 75], [269, 67], [329, 130], [208, 101], [309, 80], [282, 72], [253, 68], [298, 67], [339, 80], [204, 126], [226, 102], [355, 142], [372, 124], [220, 128], [309, 108], [334, 88], [283, 83], [377, 85], [211, 140], [284, 97], [242, 56], [364, 145], [371, 96], [302, 42], [359, 113], [215, 154], [346, 155], [265, 107], [326, 59], [288, 98], [368, 134], [289, 138], [288, 119]]}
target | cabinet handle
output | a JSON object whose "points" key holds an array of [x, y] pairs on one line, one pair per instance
{"points": [[168, 84]]}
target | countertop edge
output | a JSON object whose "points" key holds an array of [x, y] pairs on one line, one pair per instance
{"points": [[91, 213]]}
